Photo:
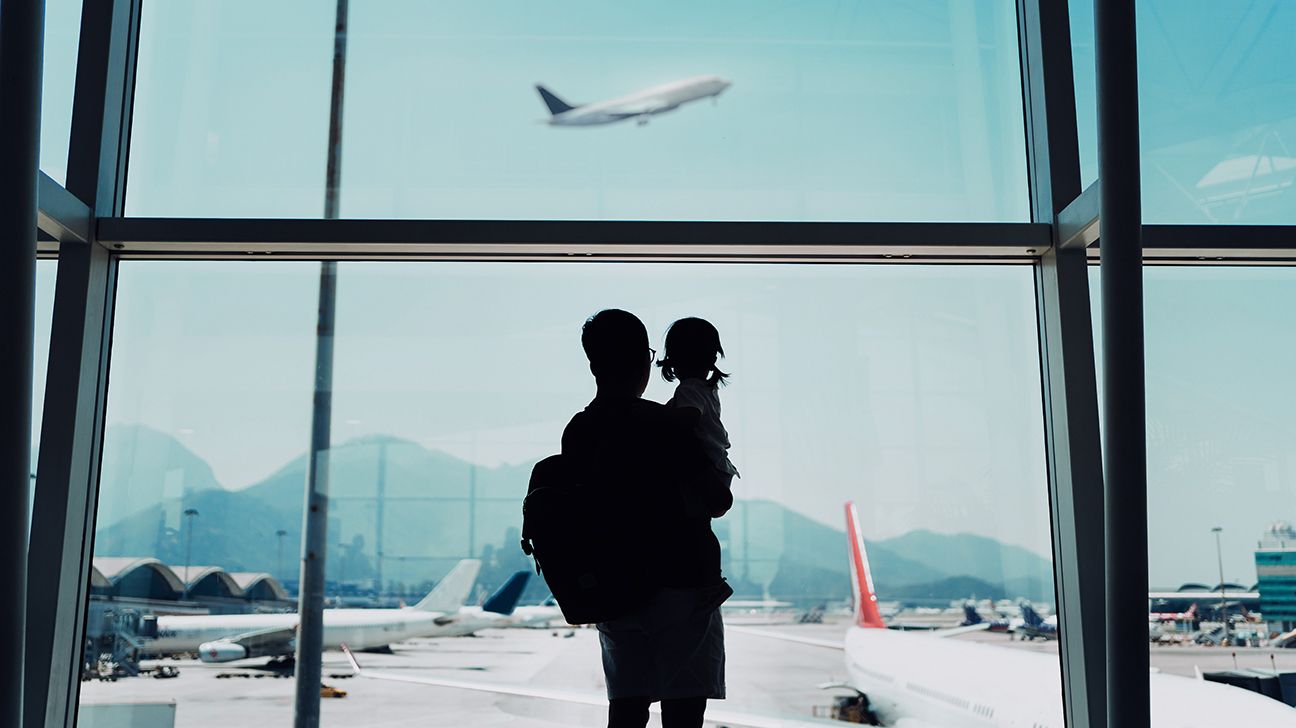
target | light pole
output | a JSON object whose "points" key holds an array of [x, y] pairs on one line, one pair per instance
{"points": [[1219, 556], [279, 562], [310, 590], [190, 514]]}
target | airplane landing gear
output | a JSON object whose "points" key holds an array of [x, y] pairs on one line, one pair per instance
{"points": [[854, 709], [641, 121]]}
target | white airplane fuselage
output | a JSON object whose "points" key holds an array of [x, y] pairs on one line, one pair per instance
{"points": [[959, 684], [536, 617], [642, 104], [360, 629]]}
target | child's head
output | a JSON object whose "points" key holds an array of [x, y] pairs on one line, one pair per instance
{"points": [[691, 349]]}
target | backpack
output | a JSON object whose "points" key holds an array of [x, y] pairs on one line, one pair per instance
{"points": [[580, 549]]}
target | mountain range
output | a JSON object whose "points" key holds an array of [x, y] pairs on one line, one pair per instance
{"points": [[437, 509]]}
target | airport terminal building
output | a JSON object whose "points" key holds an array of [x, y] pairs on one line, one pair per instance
{"points": [[1275, 562], [294, 296]]}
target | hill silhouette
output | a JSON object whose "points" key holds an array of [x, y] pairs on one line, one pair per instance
{"points": [[437, 509]]}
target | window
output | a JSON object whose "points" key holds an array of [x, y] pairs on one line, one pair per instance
{"points": [[45, 272], [1216, 109], [62, 33], [872, 111], [1218, 112], [1219, 457], [912, 390], [1086, 92]]}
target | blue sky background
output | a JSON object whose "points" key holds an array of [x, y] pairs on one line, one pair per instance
{"points": [[839, 111], [846, 110]]}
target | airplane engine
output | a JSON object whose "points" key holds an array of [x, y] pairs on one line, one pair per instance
{"points": [[221, 651]]}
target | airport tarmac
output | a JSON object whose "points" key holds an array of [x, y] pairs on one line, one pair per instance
{"points": [[765, 676]]}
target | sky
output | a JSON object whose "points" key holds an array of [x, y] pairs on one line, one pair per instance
{"points": [[923, 390], [899, 386]]}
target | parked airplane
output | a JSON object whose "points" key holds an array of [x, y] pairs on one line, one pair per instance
{"points": [[639, 105], [1190, 615], [223, 638], [1033, 625], [499, 610], [923, 680], [538, 616], [972, 617]]}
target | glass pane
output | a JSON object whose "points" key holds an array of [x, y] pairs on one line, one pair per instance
{"points": [[1219, 433], [913, 391], [1217, 109], [214, 133], [62, 34], [876, 111], [45, 272], [1082, 60], [1218, 90]]}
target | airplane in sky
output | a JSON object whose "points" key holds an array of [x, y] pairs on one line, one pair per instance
{"points": [[925, 680], [640, 105], [224, 638]]}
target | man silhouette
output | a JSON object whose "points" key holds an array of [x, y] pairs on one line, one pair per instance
{"points": [[655, 480]]}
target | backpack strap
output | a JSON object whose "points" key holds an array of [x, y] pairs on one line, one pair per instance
{"points": [[543, 475]]}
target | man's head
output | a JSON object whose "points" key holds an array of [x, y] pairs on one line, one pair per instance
{"points": [[616, 344]]}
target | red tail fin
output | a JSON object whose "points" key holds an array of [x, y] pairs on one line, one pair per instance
{"points": [[866, 606]]}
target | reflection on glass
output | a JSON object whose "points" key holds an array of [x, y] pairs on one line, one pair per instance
{"points": [[732, 111], [913, 391], [1217, 109], [62, 32]]}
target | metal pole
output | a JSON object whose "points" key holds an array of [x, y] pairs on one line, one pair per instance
{"points": [[310, 592], [472, 511], [1219, 556], [189, 516], [21, 33], [1123, 402], [279, 568], [379, 527], [310, 596]]}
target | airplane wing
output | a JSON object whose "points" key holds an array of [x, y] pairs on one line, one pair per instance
{"points": [[733, 719], [938, 633], [644, 107], [830, 644]]}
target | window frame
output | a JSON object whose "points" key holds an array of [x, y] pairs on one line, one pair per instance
{"points": [[84, 224]]}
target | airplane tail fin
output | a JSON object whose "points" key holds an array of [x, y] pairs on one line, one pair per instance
{"points": [[555, 104], [970, 615], [505, 599], [866, 606], [1031, 617], [453, 588]]}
